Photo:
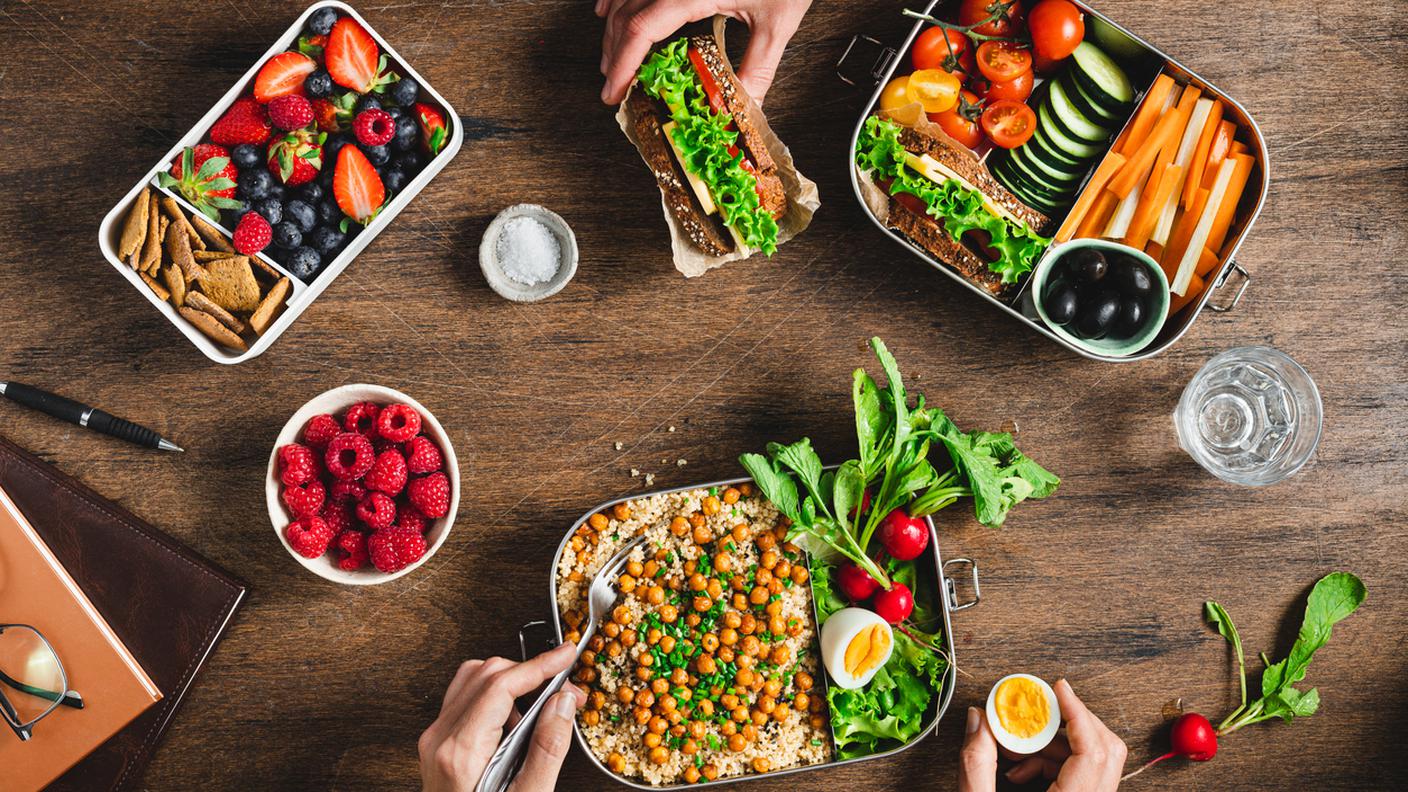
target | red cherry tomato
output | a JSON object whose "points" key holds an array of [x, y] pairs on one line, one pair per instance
{"points": [[904, 537], [895, 605], [855, 583], [961, 122], [1001, 61], [1008, 13], [940, 48], [1008, 124], [1017, 89], [1057, 28]]}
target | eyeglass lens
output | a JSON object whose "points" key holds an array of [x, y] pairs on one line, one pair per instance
{"points": [[33, 679]]}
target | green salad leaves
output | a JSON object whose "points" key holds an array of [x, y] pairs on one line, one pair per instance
{"points": [[958, 208], [708, 144]]}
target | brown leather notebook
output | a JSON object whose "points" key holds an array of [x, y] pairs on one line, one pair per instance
{"points": [[165, 603]]}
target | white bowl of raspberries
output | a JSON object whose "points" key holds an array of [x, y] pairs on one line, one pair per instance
{"points": [[363, 485]]}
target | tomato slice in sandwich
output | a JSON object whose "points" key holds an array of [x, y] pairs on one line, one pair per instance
{"points": [[716, 101]]}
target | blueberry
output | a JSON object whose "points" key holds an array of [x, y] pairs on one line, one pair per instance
{"points": [[407, 135], [277, 190], [287, 235], [272, 209], [394, 180], [412, 161], [403, 92], [326, 239], [255, 184], [329, 213], [395, 112], [304, 263], [331, 147], [302, 214], [318, 84], [367, 102], [377, 155], [310, 193], [321, 22], [247, 156]]}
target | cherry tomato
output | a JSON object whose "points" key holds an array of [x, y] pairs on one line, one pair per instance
{"points": [[1008, 13], [1008, 123], [895, 605], [904, 537], [1016, 89], [935, 89], [943, 49], [856, 583], [896, 96], [1001, 61], [1057, 28], [961, 122]]}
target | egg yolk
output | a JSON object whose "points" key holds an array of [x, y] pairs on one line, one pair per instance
{"points": [[1021, 707], [867, 650]]}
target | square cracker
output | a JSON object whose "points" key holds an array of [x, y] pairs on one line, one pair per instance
{"points": [[269, 306], [213, 330], [230, 283]]}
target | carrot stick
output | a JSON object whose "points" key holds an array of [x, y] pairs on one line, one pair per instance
{"points": [[1150, 202], [1182, 232], [1170, 126], [1238, 147], [1155, 250], [1107, 168], [1200, 154], [1218, 151], [1227, 210], [1099, 215], [1205, 207], [1148, 114], [1177, 302], [1207, 261]]}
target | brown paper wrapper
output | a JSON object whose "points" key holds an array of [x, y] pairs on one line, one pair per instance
{"points": [[802, 197]]}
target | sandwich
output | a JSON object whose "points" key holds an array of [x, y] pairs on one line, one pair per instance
{"points": [[945, 201], [695, 129]]}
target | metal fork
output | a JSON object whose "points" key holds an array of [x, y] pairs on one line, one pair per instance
{"points": [[508, 757]]}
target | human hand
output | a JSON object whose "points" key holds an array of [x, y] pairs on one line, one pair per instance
{"points": [[479, 707], [1087, 758], [634, 26]]}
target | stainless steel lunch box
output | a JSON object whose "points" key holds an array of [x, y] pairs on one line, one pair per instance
{"points": [[882, 70], [948, 594]]}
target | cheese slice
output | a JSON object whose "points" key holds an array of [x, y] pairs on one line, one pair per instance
{"points": [[937, 172], [701, 190]]}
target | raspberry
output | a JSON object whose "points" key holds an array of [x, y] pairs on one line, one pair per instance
{"points": [[321, 429], [394, 549], [291, 112], [422, 456], [382, 444], [388, 473], [252, 234], [296, 464], [374, 127], [398, 423], [306, 499], [431, 495], [408, 516], [348, 492], [361, 418], [349, 456], [339, 517], [308, 537], [351, 546], [377, 510]]}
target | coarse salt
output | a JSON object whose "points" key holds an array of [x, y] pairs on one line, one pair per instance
{"points": [[528, 252]]}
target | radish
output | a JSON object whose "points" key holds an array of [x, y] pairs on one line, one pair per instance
{"points": [[1192, 737]]}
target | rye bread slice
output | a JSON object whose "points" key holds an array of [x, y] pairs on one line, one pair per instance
{"points": [[967, 166], [931, 236], [705, 231]]}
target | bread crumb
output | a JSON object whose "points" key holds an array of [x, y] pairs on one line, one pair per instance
{"points": [[618, 445], [671, 429], [635, 473], [681, 462], [649, 479]]}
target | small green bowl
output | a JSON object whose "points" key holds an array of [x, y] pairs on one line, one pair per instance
{"points": [[1112, 347]]}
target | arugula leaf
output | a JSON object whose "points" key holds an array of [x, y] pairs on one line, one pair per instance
{"points": [[776, 485], [805, 463], [872, 422], [848, 492]]}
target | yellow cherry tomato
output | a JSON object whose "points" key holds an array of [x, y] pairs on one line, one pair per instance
{"points": [[896, 100], [936, 89]]}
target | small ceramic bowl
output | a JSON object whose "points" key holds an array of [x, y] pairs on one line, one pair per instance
{"points": [[335, 402], [511, 289], [1114, 347]]}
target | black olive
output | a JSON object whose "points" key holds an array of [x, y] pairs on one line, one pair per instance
{"points": [[1097, 316], [1060, 304], [1088, 264], [1132, 277], [1132, 316]]}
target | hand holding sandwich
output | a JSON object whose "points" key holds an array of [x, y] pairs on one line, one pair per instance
{"points": [[634, 26]]}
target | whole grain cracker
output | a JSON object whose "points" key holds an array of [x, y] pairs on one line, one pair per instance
{"points": [[176, 282], [178, 247], [156, 287], [134, 230], [211, 255], [214, 240], [161, 239], [231, 284], [173, 210], [200, 302], [269, 306], [261, 267], [151, 247], [212, 328]]}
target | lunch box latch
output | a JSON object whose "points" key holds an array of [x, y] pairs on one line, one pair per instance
{"points": [[953, 604], [1218, 307], [534, 638], [865, 48]]}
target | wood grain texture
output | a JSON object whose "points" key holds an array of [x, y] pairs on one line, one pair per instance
{"points": [[320, 687]]}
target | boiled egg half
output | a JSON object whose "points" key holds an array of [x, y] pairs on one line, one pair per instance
{"points": [[855, 644], [1023, 713]]}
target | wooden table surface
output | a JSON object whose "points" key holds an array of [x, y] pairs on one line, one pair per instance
{"points": [[325, 687]]}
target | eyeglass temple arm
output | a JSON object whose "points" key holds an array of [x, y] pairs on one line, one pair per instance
{"points": [[12, 719], [69, 698]]}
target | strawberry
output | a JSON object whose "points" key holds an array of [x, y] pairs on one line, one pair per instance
{"points": [[205, 176], [244, 122], [312, 46], [282, 75], [354, 60], [356, 185], [297, 157], [291, 112], [334, 114], [433, 132]]}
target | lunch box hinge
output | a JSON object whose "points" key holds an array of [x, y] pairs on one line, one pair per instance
{"points": [[1236, 298], [879, 64], [953, 604]]}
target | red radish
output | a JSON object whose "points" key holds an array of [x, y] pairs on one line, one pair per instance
{"points": [[904, 537], [895, 605], [856, 583], [1192, 737], [856, 514]]}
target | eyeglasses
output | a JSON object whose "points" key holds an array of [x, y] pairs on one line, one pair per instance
{"points": [[32, 680]]}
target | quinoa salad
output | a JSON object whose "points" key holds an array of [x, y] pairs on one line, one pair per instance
{"points": [[707, 666]]}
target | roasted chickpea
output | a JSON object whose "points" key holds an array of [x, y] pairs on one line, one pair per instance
{"points": [[635, 568], [748, 624], [659, 685], [645, 660], [816, 703], [737, 583], [818, 722], [626, 583], [591, 717], [762, 577], [611, 629], [761, 765], [621, 615], [596, 643], [625, 695], [702, 603], [729, 728], [674, 717], [679, 526], [678, 676], [768, 559], [667, 643], [745, 661], [710, 642], [642, 715], [728, 701], [750, 731], [668, 614], [783, 711], [577, 544], [766, 541], [766, 704], [731, 496], [740, 601], [702, 535], [644, 674], [773, 686], [722, 563], [645, 698], [715, 589], [621, 511], [667, 703], [746, 489], [775, 587], [598, 521], [691, 774], [705, 708], [576, 575], [706, 664], [588, 658], [696, 519], [710, 772], [659, 755], [616, 763], [732, 619], [794, 627], [773, 608], [697, 582], [777, 625], [651, 567], [596, 700], [788, 547], [736, 743], [587, 675], [740, 714], [692, 619], [783, 569], [658, 725], [750, 646], [628, 638], [802, 702], [758, 595], [800, 574], [711, 505], [740, 532]]}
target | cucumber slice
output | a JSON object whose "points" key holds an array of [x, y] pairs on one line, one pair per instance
{"points": [[1001, 170], [1103, 79], [1088, 107], [1033, 185], [1055, 178], [1071, 120], [1043, 147], [1046, 124]]}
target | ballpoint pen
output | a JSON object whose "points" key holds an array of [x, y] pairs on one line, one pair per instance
{"points": [[85, 416]]}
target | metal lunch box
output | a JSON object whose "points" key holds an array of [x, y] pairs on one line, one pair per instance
{"points": [[882, 70], [302, 294], [948, 595]]}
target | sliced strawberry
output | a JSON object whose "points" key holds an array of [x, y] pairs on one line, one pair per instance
{"points": [[354, 60], [433, 132], [244, 122], [356, 185], [282, 75]]}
